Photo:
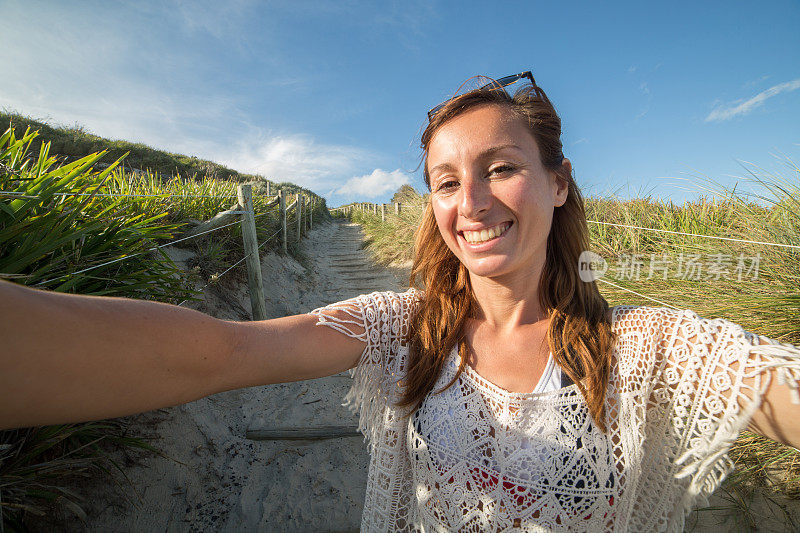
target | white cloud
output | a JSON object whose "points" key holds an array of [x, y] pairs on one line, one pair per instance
{"points": [[296, 158], [722, 112], [752, 83], [378, 183]]}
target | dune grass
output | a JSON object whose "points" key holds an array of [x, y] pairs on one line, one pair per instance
{"points": [[766, 301]]}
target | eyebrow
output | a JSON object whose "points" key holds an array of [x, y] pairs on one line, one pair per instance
{"points": [[486, 153]]}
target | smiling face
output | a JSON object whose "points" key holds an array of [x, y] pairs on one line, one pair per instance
{"points": [[492, 199]]}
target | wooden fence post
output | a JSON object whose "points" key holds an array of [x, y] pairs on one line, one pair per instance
{"points": [[269, 189], [282, 199], [253, 260], [306, 209], [383, 212], [397, 209], [299, 210], [311, 215]]}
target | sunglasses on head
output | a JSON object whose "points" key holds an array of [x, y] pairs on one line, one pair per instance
{"points": [[493, 85]]}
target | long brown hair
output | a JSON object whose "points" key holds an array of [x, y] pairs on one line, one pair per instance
{"points": [[579, 335]]}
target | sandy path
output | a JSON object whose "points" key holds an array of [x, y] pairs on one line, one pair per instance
{"points": [[225, 481]]}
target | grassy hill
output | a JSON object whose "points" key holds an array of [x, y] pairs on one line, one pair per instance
{"points": [[75, 142]]}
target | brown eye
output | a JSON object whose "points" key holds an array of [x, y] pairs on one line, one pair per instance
{"points": [[447, 185], [501, 169]]}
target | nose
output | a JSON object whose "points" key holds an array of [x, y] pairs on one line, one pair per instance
{"points": [[476, 198]]}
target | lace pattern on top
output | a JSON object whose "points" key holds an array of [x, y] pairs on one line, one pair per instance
{"points": [[479, 458], [487, 459]]}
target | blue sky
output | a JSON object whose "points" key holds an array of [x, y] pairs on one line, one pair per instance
{"points": [[333, 95]]}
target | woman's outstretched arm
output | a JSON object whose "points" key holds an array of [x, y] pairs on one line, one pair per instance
{"points": [[72, 358]]}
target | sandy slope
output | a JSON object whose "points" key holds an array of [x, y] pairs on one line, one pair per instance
{"points": [[221, 481]]}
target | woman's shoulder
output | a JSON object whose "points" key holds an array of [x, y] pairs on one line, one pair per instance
{"points": [[676, 335], [643, 335], [393, 299], [376, 306], [645, 318], [664, 320], [394, 308]]}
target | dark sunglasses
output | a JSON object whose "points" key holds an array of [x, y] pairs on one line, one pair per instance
{"points": [[494, 84]]}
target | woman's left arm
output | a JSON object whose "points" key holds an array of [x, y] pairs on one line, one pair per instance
{"points": [[712, 380]]}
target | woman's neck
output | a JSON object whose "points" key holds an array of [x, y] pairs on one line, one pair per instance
{"points": [[505, 304]]}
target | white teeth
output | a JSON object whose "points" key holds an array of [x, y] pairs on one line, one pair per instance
{"points": [[476, 237]]}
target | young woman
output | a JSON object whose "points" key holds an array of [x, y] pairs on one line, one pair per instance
{"points": [[506, 395]]}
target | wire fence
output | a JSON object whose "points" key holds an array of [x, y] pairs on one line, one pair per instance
{"points": [[289, 217], [299, 213], [159, 247], [397, 208], [687, 234], [216, 277], [15, 194], [123, 258], [658, 230]]}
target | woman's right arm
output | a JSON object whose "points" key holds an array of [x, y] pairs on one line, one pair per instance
{"points": [[72, 358]]}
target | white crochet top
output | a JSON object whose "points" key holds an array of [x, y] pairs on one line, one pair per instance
{"points": [[479, 458]]}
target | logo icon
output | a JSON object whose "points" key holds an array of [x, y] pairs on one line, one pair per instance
{"points": [[591, 266]]}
